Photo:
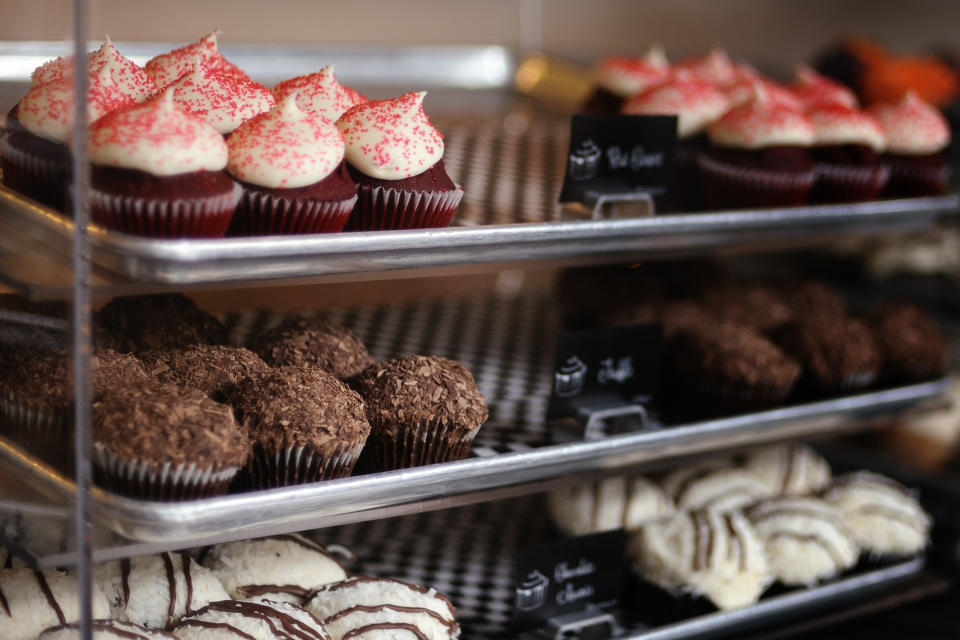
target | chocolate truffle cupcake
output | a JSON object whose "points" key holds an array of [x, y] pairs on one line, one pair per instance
{"points": [[838, 354], [305, 425], [422, 409], [805, 297], [846, 152], [396, 157], [165, 442], [213, 369], [759, 306], [728, 369], [912, 346], [305, 342], [166, 321], [291, 166]]}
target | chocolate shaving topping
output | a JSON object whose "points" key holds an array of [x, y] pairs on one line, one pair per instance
{"points": [[140, 323], [213, 369], [290, 406], [831, 348], [415, 389], [167, 423], [910, 341], [753, 305], [305, 342]]}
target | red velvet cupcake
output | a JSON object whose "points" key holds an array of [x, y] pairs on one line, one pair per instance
{"points": [[619, 77], [759, 156], [159, 171], [813, 90], [129, 77], [744, 87], [168, 67], [320, 94], [290, 165], [396, 157], [715, 67], [224, 101], [917, 135], [846, 154]]}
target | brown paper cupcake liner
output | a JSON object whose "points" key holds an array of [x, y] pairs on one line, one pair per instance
{"points": [[383, 208], [415, 445], [262, 214], [847, 183], [26, 422], [206, 217], [296, 465], [37, 177], [730, 186], [166, 482]]}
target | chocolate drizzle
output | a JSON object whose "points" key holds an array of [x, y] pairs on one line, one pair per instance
{"points": [[820, 541], [188, 581], [45, 588], [735, 544], [171, 588], [292, 629], [415, 632], [6, 605], [353, 580], [125, 580], [252, 590], [450, 624], [204, 624], [113, 628]]}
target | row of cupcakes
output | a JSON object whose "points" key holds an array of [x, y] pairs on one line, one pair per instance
{"points": [[746, 140], [189, 146]]}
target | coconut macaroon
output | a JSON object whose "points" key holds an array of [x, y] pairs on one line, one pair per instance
{"points": [[358, 620], [282, 568], [806, 539], [106, 630], [884, 515], [706, 553], [383, 600], [789, 469], [156, 591], [624, 502], [235, 620], [31, 601], [714, 484]]}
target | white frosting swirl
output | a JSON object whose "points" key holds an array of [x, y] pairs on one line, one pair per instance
{"points": [[223, 101], [391, 139], [761, 123], [912, 126], [128, 76], [157, 137], [695, 102], [625, 76], [320, 94], [835, 124], [285, 148]]}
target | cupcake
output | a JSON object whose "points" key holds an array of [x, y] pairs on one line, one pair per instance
{"points": [[164, 321], [759, 156], [917, 135], [303, 342], [759, 306], [129, 77], [838, 354], [847, 144], [715, 67], [911, 345], [697, 104], [159, 171], [291, 168], [223, 101], [167, 67], [165, 442], [36, 159], [396, 157], [749, 81], [422, 409], [213, 369], [320, 94], [813, 90], [619, 77], [808, 296], [305, 425]]}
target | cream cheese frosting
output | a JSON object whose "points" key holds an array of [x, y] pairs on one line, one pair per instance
{"points": [[835, 124], [760, 123], [912, 126], [285, 148], [813, 89], [224, 101], [167, 67], [320, 93], [626, 76], [749, 82], [47, 109], [391, 139], [158, 137], [695, 102], [715, 67], [128, 75]]}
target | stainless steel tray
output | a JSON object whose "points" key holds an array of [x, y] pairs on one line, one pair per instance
{"points": [[173, 525]]}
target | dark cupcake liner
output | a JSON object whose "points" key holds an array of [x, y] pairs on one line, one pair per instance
{"points": [[24, 421], [297, 465], [206, 217], [727, 186], [848, 183], [892, 374], [848, 385], [38, 177], [385, 208], [167, 482], [414, 445], [262, 214], [916, 178]]}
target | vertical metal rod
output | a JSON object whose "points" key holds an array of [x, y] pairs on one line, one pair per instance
{"points": [[81, 318]]}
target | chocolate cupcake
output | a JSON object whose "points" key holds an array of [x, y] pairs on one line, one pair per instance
{"points": [[304, 342], [291, 168], [846, 154], [759, 306], [728, 369], [305, 425], [838, 354], [213, 369], [165, 442], [912, 346], [806, 297], [396, 158], [422, 410], [675, 316], [166, 321]]}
